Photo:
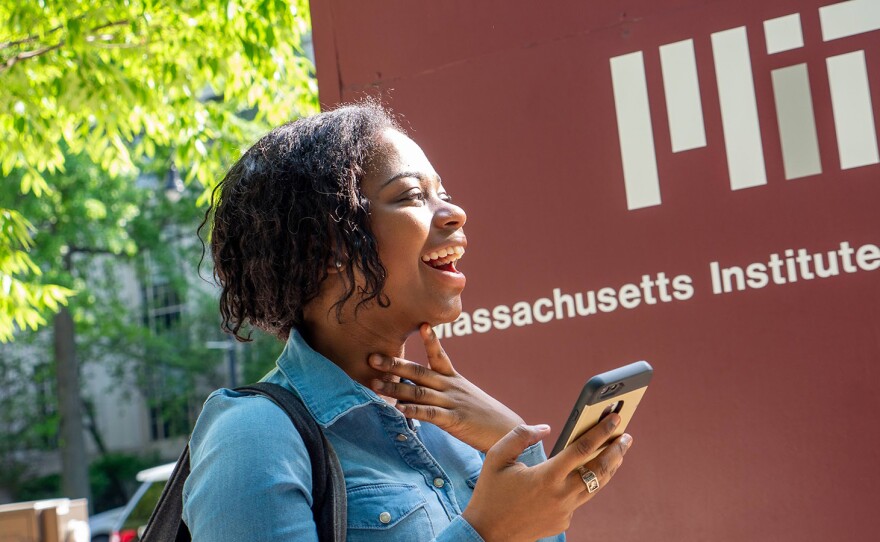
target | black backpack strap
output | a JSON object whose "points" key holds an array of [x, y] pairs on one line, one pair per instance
{"points": [[328, 484], [166, 522]]}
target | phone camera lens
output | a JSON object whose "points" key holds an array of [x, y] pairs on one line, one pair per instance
{"points": [[610, 388]]}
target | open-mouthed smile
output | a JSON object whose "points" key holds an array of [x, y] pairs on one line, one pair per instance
{"points": [[445, 258]]}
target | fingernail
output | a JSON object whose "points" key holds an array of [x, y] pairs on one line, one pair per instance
{"points": [[626, 440], [378, 385], [375, 360], [542, 427]]}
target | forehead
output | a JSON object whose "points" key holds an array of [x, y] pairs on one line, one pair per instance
{"points": [[398, 153]]}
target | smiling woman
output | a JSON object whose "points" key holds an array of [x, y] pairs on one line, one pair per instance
{"points": [[336, 234]]}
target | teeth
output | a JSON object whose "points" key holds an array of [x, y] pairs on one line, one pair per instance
{"points": [[443, 256]]}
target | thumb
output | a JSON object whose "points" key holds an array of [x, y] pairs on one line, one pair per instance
{"points": [[511, 445]]}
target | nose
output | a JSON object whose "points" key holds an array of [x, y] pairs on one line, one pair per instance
{"points": [[450, 216]]}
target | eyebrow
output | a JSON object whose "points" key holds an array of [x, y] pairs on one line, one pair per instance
{"points": [[403, 174]]}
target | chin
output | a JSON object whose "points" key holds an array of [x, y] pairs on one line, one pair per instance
{"points": [[449, 313]]}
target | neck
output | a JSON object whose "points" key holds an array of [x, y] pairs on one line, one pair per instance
{"points": [[349, 343]]}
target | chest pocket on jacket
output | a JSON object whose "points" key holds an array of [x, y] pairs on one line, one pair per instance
{"points": [[387, 512]]}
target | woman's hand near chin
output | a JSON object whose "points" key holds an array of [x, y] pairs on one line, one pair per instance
{"points": [[439, 395]]}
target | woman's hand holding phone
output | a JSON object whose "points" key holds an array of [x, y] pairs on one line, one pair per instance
{"points": [[513, 502], [440, 395]]}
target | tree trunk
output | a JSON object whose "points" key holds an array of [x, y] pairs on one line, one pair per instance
{"points": [[74, 461], [115, 481]]}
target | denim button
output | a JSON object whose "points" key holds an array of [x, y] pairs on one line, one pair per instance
{"points": [[385, 517], [439, 482], [401, 437]]}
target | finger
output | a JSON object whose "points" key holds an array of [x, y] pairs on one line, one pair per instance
{"points": [[510, 446], [578, 452], [439, 416], [409, 393], [605, 465], [405, 369], [437, 358]]}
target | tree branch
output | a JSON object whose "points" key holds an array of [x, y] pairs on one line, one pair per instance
{"points": [[34, 37], [30, 39], [13, 60], [121, 22], [73, 249]]}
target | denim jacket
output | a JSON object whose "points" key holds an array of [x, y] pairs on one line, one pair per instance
{"points": [[251, 478]]}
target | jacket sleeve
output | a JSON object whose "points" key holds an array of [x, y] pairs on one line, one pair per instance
{"points": [[459, 529], [251, 475]]}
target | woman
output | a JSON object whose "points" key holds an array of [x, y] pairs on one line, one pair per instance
{"points": [[335, 233]]}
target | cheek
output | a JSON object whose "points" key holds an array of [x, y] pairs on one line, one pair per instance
{"points": [[401, 239]]}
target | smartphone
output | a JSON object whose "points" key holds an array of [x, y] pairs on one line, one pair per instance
{"points": [[618, 391]]}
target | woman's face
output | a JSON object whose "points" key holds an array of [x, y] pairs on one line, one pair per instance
{"points": [[419, 234]]}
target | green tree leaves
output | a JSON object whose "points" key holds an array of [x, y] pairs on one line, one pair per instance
{"points": [[117, 81], [22, 302]]}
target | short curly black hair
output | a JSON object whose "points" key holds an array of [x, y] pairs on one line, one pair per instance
{"points": [[290, 207]]}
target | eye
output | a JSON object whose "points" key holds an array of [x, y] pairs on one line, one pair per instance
{"points": [[414, 195], [445, 197]]}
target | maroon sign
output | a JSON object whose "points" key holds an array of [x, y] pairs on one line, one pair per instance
{"points": [[688, 182]]}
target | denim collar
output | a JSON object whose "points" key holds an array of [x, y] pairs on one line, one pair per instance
{"points": [[327, 391]]}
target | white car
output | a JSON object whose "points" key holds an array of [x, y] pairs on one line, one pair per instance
{"points": [[101, 525], [130, 524]]}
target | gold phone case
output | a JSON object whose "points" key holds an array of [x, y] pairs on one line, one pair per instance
{"points": [[620, 390]]}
